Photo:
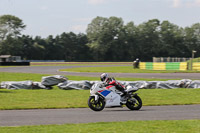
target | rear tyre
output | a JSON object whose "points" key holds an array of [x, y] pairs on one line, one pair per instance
{"points": [[96, 105], [134, 103]]}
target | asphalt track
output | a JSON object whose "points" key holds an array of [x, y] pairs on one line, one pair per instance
{"points": [[85, 115], [55, 70]]}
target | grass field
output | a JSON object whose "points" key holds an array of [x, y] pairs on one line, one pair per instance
{"points": [[78, 63], [57, 98], [172, 126], [6, 76], [122, 69]]}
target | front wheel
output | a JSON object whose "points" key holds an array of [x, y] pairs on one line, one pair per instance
{"points": [[96, 105], [134, 103]]}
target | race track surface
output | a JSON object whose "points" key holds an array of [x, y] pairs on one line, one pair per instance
{"points": [[55, 70], [85, 115]]}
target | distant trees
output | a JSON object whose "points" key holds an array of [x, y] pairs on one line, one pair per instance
{"points": [[67, 46], [106, 39], [192, 38], [10, 26], [111, 39]]}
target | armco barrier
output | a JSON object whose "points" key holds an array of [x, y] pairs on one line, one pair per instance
{"points": [[183, 66], [142, 65], [159, 66], [164, 66], [196, 66], [172, 66], [149, 65]]}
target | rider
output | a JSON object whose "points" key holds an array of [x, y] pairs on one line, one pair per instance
{"points": [[110, 81]]}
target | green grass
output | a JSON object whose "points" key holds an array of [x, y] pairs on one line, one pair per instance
{"points": [[122, 69], [7, 76], [43, 99], [156, 126], [57, 98], [179, 96], [78, 63]]}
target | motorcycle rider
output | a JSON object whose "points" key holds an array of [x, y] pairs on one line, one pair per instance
{"points": [[111, 81]]}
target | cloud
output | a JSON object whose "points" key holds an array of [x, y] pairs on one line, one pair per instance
{"points": [[96, 2], [197, 3], [186, 3], [176, 3], [43, 8], [99, 2], [78, 28], [83, 20]]}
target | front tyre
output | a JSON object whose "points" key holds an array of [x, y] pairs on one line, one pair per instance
{"points": [[96, 105], [134, 103]]}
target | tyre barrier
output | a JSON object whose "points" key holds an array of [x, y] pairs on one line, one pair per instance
{"points": [[14, 63]]}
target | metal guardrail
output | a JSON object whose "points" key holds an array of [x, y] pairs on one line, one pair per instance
{"points": [[170, 59]]}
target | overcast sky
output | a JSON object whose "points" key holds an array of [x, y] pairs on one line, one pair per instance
{"points": [[53, 17]]}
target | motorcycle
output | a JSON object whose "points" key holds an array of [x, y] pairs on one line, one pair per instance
{"points": [[108, 96]]}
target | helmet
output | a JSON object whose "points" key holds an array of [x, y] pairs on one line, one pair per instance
{"points": [[104, 77]]}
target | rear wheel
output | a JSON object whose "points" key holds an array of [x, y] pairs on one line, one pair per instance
{"points": [[96, 105], [134, 103]]}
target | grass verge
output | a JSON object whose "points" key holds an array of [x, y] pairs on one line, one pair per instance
{"points": [[122, 69], [158, 126], [7, 76], [78, 63], [57, 98]]}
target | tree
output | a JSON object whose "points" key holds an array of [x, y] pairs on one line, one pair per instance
{"points": [[82, 50], [67, 41], [27, 47], [11, 46], [71, 47], [172, 40], [10, 26], [148, 39], [103, 35], [131, 42], [192, 38], [52, 49]]}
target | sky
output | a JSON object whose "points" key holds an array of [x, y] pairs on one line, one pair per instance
{"points": [[53, 17]]}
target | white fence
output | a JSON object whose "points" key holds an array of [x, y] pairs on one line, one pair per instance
{"points": [[170, 59]]}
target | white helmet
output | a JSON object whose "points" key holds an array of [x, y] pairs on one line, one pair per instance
{"points": [[104, 77]]}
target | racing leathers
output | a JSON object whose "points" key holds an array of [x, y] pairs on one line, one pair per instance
{"points": [[112, 81]]}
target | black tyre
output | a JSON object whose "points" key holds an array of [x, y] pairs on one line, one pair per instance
{"points": [[96, 106], [134, 103]]}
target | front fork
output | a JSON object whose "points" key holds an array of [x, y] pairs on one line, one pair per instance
{"points": [[96, 98]]}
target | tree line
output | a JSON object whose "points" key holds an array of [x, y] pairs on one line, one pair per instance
{"points": [[106, 39]]}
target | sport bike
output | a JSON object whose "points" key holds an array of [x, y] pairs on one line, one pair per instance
{"points": [[108, 96]]}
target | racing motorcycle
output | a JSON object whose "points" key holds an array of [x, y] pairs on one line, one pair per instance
{"points": [[108, 96]]}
